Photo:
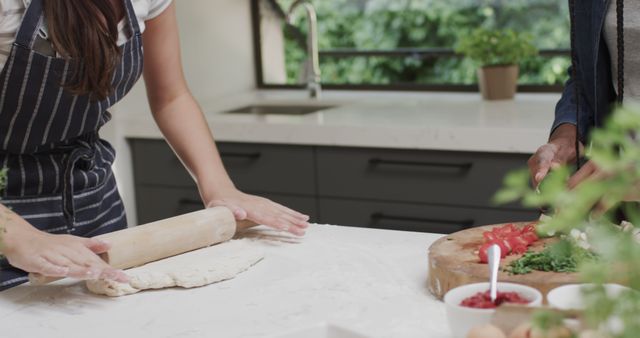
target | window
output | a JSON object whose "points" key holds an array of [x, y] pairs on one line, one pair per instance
{"points": [[405, 44]]}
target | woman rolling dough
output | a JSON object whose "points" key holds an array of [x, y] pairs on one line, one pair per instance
{"points": [[66, 62]]}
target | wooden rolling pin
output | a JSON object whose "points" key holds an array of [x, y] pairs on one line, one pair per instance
{"points": [[161, 239]]}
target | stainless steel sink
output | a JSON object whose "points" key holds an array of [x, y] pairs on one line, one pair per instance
{"points": [[278, 109]]}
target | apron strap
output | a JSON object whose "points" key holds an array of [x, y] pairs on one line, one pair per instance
{"points": [[30, 25], [133, 18]]}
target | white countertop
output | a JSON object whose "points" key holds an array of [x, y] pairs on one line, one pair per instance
{"points": [[373, 282], [439, 121]]}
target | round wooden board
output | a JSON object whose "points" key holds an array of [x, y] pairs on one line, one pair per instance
{"points": [[453, 261]]}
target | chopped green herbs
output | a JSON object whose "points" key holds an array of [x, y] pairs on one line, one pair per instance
{"points": [[563, 256]]}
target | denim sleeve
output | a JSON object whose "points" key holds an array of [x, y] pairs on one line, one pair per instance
{"points": [[566, 109]]}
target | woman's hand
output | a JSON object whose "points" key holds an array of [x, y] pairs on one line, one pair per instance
{"points": [[35, 251], [260, 210], [559, 151]]}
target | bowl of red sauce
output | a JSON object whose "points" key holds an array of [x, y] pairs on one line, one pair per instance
{"points": [[470, 305]]}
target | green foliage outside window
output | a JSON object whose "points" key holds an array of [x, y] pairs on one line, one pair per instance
{"points": [[396, 24], [616, 151]]}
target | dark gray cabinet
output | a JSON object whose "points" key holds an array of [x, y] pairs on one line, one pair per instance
{"points": [[416, 190], [252, 167], [413, 216], [456, 178]]}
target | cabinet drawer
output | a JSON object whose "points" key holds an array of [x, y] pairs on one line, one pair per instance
{"points": [[252, 167], [457, 178], [155, 203], [414, 217]]}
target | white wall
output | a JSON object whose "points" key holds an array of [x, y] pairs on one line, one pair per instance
{"points": [[272, 45], [217, 51], [217, 46]]}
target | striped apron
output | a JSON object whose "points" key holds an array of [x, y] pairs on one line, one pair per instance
{"points": [[60, 177]]}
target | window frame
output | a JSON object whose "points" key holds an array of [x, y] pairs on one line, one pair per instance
{"points": [[402, 52]]}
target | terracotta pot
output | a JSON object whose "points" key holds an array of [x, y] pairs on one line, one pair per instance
{"points": [[498, 82]]}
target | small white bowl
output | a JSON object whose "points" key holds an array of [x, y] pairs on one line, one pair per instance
{"points": [[569, 297], [462, 319]]}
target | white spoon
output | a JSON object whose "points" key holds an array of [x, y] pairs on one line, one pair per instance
{"points": [[494, 265]]}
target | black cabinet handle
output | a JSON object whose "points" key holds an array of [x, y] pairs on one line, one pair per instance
{"points": [[457, 166], [378, 216], [241, 155], [189, 201]]}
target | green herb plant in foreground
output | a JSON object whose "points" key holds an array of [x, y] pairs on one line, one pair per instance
{"points": [[496, 47], [615, 149]]}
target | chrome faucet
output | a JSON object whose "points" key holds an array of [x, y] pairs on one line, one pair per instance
{"points": [[313, 64]]}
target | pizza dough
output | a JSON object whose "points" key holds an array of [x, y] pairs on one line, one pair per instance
{"points": [[192, 269]]}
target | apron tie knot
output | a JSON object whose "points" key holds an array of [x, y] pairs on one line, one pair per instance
{"points": [[81, 157]]}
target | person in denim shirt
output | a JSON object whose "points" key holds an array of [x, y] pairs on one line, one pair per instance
{"points": [[597, 81]]}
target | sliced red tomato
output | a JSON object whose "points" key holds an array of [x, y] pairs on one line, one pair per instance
{"points": [[520, 249], [498, 232], [517, 241], [505, 231], [505, 247], [509, 238], [530, 237], [482, 253], [489, 236], [511, 227], [529, 228]]}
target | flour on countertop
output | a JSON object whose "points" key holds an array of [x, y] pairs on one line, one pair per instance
{"points": [[192, 269]]}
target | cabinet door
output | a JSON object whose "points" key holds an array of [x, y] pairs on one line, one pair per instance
{"points": [[155, 203], [414, 217], [253, 167], [453, 178]]}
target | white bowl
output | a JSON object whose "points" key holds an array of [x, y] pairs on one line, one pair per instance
{"points": [[569, 297], [462, 319]]}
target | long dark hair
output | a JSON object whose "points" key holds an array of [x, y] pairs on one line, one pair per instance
{"points": [[87, 32], [574, 64]]}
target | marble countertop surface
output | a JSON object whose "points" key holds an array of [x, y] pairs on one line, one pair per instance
{"points": [[438, 121], [369, 283]]}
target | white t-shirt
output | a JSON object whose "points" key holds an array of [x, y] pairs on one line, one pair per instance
{"points": [[12, 12]]}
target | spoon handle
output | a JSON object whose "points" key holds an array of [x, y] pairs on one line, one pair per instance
{"points": [[494, 265]]}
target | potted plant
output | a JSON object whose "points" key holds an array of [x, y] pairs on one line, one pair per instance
{"points": [[497, 52]]}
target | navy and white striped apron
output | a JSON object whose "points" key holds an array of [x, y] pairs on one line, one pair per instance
{"points": [[60, 177]]}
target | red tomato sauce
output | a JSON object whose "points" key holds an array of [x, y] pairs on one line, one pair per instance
{"points": [[482, 300]]}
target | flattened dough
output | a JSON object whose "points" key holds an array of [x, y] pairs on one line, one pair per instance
{"points": [[192, 269]]}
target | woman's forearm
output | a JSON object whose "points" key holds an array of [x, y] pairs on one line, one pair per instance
{"points": [[11, 226], [181, 121], [186, 130], [174, 108]]}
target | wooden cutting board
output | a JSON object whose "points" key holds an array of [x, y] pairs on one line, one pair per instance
{"points": [[453, 261]]}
